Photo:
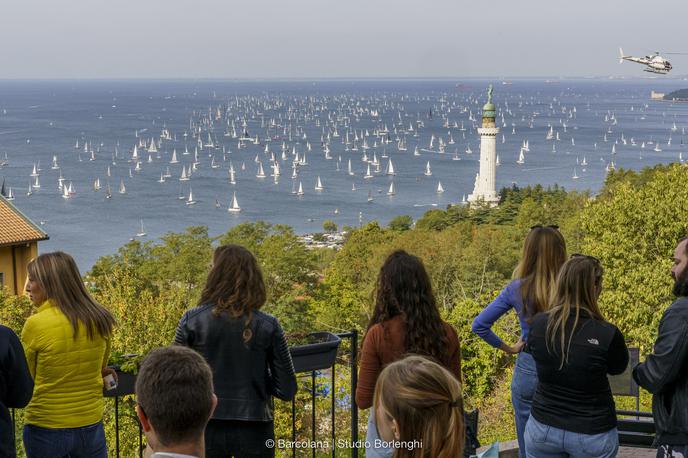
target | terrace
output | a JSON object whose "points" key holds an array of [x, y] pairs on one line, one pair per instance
{"points": [[323, 420]]}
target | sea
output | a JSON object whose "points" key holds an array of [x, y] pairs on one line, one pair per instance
{"points": [[575, 130]]}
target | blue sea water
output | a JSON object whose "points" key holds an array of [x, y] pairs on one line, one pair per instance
{"points": [[39, 119]]}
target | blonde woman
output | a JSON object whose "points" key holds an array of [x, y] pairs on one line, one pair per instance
{"points": [[419, 409], [67, 345], [544, 252], [574, 348]]}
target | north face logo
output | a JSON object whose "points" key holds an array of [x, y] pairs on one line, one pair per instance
{"points": [[594, 341]]}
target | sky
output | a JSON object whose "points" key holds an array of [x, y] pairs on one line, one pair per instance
{"points": [[335, 39]]}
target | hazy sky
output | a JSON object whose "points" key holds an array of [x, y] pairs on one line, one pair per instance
{"points": [[327, 38]]}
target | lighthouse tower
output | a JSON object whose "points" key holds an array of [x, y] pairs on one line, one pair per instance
{"points": [[484, 190]]}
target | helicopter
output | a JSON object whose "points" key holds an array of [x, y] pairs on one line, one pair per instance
{"points": [[654, 63]]}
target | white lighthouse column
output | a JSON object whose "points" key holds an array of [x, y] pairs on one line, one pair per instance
{"points": [[485, 190]]}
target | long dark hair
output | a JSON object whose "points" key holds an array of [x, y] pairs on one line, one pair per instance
{"points": [[403, 287], [235, 284], [59, 276], [544, 252]]}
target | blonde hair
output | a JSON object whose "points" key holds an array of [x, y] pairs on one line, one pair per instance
{"points": [[578, 286], [59, 277], [544, 252], [425, 400]]}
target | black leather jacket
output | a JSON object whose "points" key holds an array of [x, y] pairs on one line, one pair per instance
{"points": [[245, 376], [665, 374]]}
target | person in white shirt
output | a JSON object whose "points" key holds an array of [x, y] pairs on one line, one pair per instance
{"points": [[174, 393]]}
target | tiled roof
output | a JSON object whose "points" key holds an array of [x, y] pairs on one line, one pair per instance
{"points": [[15, 227]]}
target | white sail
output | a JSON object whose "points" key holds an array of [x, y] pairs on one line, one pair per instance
{"points": [[142, 231], [122, 188], [300, 191], [390, 168], [428, 171], [391, 191], [55, 165], [261, 172], [368, 174], [234, 207], [174, 159], [190, 200], [521, 157], [318, 185], [440, 189]]}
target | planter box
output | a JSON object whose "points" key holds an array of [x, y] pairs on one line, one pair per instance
{"points": [[126, 383], [319, 355]]}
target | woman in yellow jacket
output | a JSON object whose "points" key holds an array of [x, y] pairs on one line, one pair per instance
{"points": [[67, 345]]}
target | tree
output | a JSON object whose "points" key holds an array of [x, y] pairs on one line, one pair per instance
{"points": [[401, 223], [329, 226]]}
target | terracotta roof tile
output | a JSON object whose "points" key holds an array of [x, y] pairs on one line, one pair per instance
{"points": [[15, 227]]}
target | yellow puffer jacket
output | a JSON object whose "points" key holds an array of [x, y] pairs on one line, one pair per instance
{"points": [[68, 385]]}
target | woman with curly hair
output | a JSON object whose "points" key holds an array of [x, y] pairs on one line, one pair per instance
{"points": [[405, 320], [247, 352]]}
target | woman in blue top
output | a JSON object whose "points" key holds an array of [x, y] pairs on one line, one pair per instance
{"points": [[544, 252]]}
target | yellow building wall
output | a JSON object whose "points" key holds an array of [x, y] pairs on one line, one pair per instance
{"points": [[22, 255]]}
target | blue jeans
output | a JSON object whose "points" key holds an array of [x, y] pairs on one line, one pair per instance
{"points": [[371, 436], [84, 442], [544, 441], [523, 385]]}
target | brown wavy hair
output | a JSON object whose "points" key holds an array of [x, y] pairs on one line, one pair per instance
{"points": [[404, 288], [59, 276], [235, 285], [425, 400], [544, 252]]}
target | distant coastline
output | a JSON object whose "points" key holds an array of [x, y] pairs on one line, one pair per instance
{"points": [[680, 95]]}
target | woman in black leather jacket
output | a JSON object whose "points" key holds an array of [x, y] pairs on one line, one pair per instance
{"points": [[247, 352]]}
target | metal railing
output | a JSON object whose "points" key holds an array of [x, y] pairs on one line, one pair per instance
{"points": [[346, 356]]}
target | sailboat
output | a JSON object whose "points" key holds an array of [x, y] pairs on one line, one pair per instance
{"points": [[96, 184], [142, 232], [440, 189], [391, 191], [390, 168], [122, 188], [261, 172], [521, 157], [10, 194], [575, 175], [318, 185], [370, 196], [497, 163], [108, 192], [350, 170], [300, 191], [65, 192], [174, 159], [428, 172], [234, 207], [55, 165], [30, 191], [35, 172], [184, 176], [36, 183], [190, 200], [368, 174], [584, 162]]}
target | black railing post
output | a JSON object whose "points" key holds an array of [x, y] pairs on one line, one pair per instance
{"points": [[313, 412], [354, 383], [334, 407], [293, 424], [117, 426]]}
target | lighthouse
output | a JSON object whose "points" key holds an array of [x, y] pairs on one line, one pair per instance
{"points": [[484, 190]]}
